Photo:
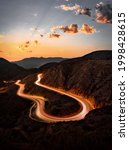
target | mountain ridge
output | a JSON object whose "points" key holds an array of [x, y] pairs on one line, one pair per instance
{"points": [[10, 71], [88, 76], [36, 62]]}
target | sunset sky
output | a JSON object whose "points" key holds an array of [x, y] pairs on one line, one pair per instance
{"points": [[49, 28]]}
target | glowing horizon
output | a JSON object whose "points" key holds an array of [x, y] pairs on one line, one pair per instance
{"points": [[30, 30]]}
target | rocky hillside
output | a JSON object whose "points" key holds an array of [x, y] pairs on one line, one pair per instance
{"points": [[19, 132], [90, 75], [10, 71]]}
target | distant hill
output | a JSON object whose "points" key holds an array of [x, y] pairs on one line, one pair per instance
{"points": [[35, 62], [97, 55], [10, 71]]}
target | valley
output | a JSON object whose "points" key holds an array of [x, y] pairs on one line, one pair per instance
{"points": [[76, 94]]}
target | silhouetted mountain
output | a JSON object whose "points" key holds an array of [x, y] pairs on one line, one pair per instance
{"points": [[9, 71], [34, 62], [99, 55], [90, 75]]}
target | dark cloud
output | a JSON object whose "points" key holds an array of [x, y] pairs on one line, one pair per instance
{"points": [[73, 28], [104, 13], [84, 11], [53, 35]]}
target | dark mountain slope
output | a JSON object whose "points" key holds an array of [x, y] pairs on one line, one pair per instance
{"points": [[90, 75], [9, 71], [19, 132], [85, 76], [99, 55]]}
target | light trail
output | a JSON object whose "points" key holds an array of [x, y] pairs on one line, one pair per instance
{"points": [[40, 101]]}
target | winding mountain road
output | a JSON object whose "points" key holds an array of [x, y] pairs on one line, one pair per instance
{"points": [[40, 101]]}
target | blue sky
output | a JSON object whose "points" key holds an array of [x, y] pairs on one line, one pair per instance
{"points": [[18, 17]]}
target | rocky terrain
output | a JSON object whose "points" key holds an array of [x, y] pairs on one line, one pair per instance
{"points": [[12, 72], [89, 76], [19, 132]]}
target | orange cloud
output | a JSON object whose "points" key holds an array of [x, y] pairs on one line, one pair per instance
{"points": [[73, 28], [87, 29], [77, 9], [102, 19], [69, 8]]}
